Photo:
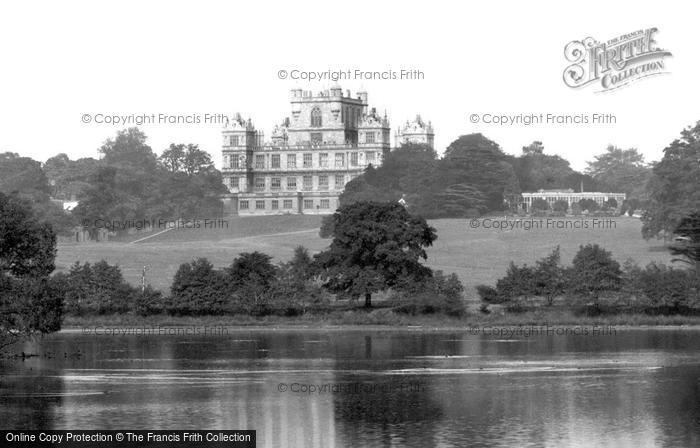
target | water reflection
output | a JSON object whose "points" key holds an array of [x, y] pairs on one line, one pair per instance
{"points": [[356, 388]]}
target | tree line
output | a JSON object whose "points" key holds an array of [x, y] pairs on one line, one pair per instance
{"points": [[375, 248], [475, 176], [128, 182]]}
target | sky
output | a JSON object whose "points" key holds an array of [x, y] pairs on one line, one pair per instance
{"points": [[64, 60]]}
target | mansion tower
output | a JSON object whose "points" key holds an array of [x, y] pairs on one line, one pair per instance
{"points": [[330, 138]]}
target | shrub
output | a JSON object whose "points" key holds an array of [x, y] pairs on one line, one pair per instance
{"points": [[589, 205], [198, 289], [594, 271], [549, 277], [489, 294], [437, 294], [250, 278], [539, 206], [576, 209], [519, 281], [98, 288], [560, 207], [666, 289], [149, 301]]}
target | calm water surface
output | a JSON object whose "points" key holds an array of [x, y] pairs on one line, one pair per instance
{"points": [[637, 388]]}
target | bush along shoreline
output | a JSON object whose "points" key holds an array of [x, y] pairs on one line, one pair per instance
{"points": [[252, 291], [595, 284]]}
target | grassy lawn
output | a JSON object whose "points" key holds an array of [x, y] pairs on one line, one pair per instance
{"points": [[477, 255]]}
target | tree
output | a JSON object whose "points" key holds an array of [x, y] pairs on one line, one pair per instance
{"points": [[97, 288], [23, 176], [198, 288], [251, 276], [560, 206], [550, 279], [27, 246], [589, 205], [594, 271], [540, 205], [477, 161], [687, 244], [621, 170], [673, 188], [374, 247], [407, 172], [29, 301], [69, 178], [188, 159], [460, 200], [535, 147], [130, 184], [172, 158], [536, 170]]}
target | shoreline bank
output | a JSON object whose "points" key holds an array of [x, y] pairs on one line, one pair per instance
{"points": [[382, 321]]}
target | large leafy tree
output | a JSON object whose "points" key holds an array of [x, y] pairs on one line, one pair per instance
{"points": [[69, 178], [688, 245], [27, 246], [132, 183], [188, 159], [23, 176], [375, 246], [407, 172], [673, 188], [29, 302], [479, 162], [621, 170]]}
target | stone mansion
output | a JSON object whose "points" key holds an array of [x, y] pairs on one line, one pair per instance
{"points": [[329, 139]]}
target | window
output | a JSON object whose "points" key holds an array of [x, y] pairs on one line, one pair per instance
{"points": [[316, 119], [323, 182], [233, 182], [308, 203], [275, 204], [325, 203], [287, 204], [259, 205], [275, 160], [339, 160], [291, 160], [316, 138], [308, 160], [308, 183], [369, 137], [233, 161], [276, 183], [291, 183], [259, 183], [243, 205], [339, 181], [353, 159], [323, 160], [370, 157], [233, 140], [260, 161]]}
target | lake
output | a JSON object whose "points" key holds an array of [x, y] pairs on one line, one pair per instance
{"points": [[337, 387]]}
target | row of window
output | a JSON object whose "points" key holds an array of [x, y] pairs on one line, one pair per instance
{"points": [[287, 204], [316, 137], [307, 160], [259, 183]]}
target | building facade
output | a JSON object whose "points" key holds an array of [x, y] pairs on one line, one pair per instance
{"points": [[571, 197], [330, 138], [416, 131]]}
